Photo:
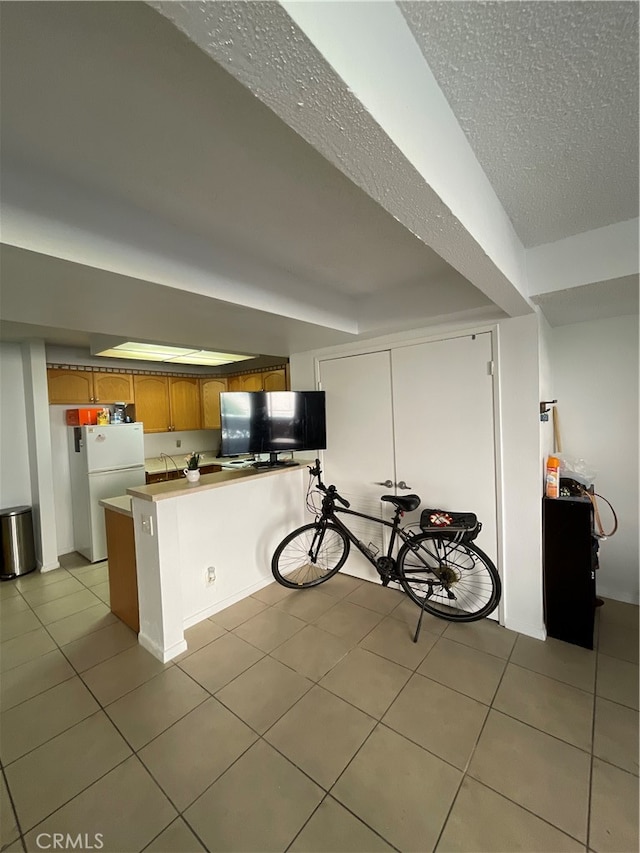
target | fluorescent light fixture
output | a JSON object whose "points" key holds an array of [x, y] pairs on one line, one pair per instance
{"points": [[176, 355]]}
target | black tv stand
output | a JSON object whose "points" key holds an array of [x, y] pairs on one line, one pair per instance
{"points": [[274, 462]]}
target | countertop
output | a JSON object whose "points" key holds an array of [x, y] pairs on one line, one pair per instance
{"points": [[121, 505], [174, 488]]}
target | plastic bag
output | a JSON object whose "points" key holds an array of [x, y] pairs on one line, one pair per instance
{"points": [[577, 469]]}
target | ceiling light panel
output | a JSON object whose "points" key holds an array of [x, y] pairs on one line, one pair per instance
{"points": [[174, 355]]}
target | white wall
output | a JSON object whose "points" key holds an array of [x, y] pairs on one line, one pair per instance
{"points": [[15, 479], [165, 442], [61, 478], [521, 474], [596, 381]]}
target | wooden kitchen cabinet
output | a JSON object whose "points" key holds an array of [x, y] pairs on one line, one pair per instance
{"points": [[69, 386], [167, 403], [269, 380], [88, 386], [210, 390], [246, 382], [163, 476], [184, 396], [210, 469], [123, 578], [274, 380], [152, 402], [112, 387]]}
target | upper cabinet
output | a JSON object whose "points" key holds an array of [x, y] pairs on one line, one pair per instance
{"points": [[246, 382], [210, 390], [112, 387], [268, 380], [77, 387], [184, 395], [70, 386], [167, 403], [152, 402], [163, 403], [274, 380]]}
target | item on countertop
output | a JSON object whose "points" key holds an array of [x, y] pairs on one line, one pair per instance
{"points": [[104, 417], [193, 461]]}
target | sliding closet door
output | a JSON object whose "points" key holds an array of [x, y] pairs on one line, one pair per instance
{"points": [[359, 451], [444, 428]]}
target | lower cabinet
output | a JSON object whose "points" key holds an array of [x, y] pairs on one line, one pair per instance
{"points": [[163, 476], [123, 580]]}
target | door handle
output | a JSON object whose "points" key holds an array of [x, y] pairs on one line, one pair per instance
{"points": [[403, 485], [388, 484]]}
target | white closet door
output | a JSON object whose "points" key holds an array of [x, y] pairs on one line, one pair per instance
{"points": [[359, 451], [444, 428]]}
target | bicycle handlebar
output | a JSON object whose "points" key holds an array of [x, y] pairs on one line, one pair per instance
{"points": [[332, 490], [316, 471]]}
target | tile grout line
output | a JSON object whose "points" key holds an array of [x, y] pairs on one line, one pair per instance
{"points": [[593, 737], [472, 753]]}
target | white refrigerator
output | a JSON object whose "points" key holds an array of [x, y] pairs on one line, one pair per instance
{"points": [[104, 461]]}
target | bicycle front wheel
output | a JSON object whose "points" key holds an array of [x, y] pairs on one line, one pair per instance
{"points": [[452, 580], [310, 555]]}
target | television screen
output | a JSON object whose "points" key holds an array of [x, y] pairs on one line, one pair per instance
{"points": [[272, 421]]}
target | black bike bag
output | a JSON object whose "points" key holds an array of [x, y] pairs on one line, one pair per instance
{"points": [[461, 526]]}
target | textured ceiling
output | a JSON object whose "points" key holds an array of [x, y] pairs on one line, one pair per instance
{"points": [[547, 94], [151, 122]]}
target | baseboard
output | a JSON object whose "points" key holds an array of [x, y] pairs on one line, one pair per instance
{"points": [[164, 655], [48, 567], [201, 615]]}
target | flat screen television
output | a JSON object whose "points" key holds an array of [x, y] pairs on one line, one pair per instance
{"points": [[272, 422]]}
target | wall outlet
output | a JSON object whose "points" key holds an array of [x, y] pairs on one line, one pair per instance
{"points": [[178, 442], [147, 525], [211, 575]]}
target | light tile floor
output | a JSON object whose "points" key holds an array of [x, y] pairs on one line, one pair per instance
{"points": [[309, 721]]}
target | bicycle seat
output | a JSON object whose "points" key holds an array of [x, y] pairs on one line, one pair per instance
{"points": [[405, 502]]}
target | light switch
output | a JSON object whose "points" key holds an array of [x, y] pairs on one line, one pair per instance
{"points": [[147, 525]]}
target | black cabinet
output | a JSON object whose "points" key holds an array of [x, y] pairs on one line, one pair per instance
{"points": [[570, 560]]}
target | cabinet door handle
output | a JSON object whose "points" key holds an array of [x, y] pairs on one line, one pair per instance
{"points": [[403, 485], [388, 484]]}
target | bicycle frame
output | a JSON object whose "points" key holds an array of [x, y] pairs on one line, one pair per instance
{"points": [[330, 513]]}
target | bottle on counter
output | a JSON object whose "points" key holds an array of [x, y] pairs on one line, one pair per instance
{"points": [[552, 489]]}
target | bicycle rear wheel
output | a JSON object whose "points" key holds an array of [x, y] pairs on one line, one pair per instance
{"points": [[310, 555], [452, 580]]}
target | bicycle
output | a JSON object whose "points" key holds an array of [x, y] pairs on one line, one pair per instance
{"points": [[439, 567]]}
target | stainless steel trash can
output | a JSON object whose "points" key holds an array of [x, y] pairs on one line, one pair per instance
{"points": [[18, 556]]}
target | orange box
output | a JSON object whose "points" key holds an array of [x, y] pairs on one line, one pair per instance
{"points": [[82, 417]]}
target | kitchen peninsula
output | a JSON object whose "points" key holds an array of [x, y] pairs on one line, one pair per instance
{"points": [[201, 547]]}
